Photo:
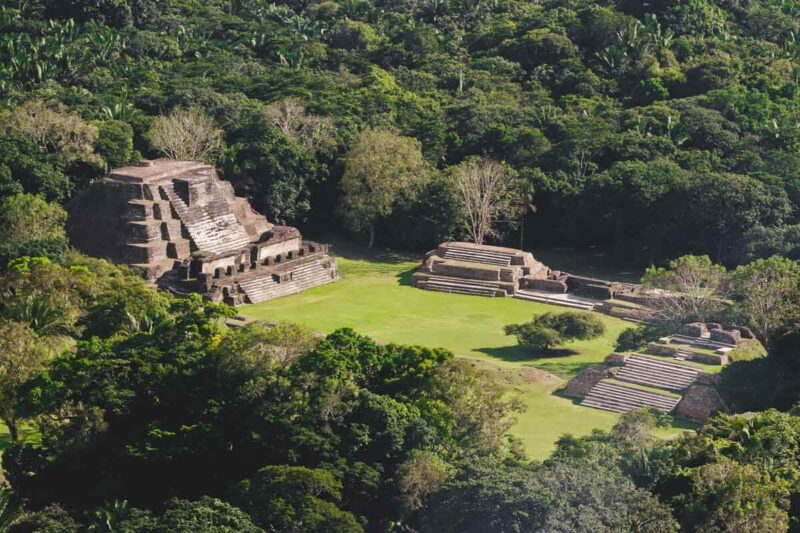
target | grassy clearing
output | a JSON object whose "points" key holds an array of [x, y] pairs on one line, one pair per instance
{"points": [[375, 298]]}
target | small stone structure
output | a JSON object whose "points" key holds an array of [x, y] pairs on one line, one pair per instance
{"points": [[188, 231], [482, 270], [699, 403]]}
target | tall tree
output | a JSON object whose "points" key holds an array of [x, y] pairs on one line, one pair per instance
{"points": [[692, 288], [380, 169], [767, 293], [187, 134], [22, 356], [488, 192]]}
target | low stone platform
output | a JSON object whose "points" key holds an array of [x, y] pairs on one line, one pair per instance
{"points": [[186, 230], [481, 270]]}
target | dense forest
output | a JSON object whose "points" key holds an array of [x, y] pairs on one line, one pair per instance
{"points": [[648, 129]]}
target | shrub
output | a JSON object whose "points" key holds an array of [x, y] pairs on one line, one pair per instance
{"points": [[549, 329]]}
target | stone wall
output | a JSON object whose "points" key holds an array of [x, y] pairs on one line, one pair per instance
{"points": [[582, 383], [616, 359], [699, 403]]}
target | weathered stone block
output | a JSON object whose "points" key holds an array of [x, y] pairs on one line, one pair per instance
{"points": [[728, 337], [699, 403], [582, 383], [695, 329], [546, 285], [616, 359]]}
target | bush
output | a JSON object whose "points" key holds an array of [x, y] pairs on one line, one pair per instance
{"points": [[636, 338], [532, 336], [549, 329]]}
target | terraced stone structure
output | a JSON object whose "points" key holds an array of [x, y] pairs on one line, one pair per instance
{"points": [[481, 270], [188, 231]]}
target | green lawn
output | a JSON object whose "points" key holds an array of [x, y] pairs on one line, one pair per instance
{"points": [[375, 298]]}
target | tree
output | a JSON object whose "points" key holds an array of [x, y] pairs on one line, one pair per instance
{"points": [[767, 294], [380, 168], [692, 289], [309, 131], [549, 329], [22, 356], [488, 193], [55, 130], [187, 134], [30, 225], [28, 217], [295, 499], [558, 496], [271, 169]]}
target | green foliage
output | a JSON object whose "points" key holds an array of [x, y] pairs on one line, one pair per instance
{"points": [[636, 338], [31, 226], [551, 329], [115, 143], [282, 497]]}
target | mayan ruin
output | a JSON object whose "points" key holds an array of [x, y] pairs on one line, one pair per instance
{"points": [[188, 232], [484, 270]]}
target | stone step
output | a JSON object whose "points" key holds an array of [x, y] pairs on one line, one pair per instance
{"points": [[261, 288], [475, 256], [674, 367], [440, 286], [633, 394], [522, 295], [481, 252], [618, 398], [646, 371], [494, 285]]}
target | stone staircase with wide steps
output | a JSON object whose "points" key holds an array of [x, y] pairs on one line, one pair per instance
{"points": [[461, 286], [265, 287], [213, 228], [659, 374], [530, 296], [478, 256], [613, 397]]}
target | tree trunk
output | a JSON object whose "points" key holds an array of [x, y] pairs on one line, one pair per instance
{"points": [[371, 235], [13, 431]]}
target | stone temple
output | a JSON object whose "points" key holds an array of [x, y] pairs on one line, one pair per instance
{"points": [[188, 231]]}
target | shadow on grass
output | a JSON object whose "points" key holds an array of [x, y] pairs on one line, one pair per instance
{"points": [[378, 255], [518, 354], [405, 278]]}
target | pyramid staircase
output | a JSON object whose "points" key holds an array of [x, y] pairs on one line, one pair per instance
{"points": [[640, 372], [461, 286], [478, 256], [306, 274]]}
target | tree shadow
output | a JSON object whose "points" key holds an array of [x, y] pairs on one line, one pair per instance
{"points": [[518, 354], [377, 255]]}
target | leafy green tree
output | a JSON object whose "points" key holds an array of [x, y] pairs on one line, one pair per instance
{"points": [[25, 168], [115, 143], [30, 225], [517, 498], [767, 293], [276, 173], [549, 329], [380, 168], [293, 498], [22, 356]]}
